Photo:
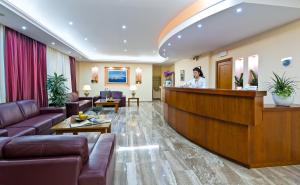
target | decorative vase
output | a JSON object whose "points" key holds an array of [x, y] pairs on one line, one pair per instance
{"points": [[283, 101]]}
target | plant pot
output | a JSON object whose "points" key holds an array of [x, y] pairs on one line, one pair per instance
{"points": [[239, 88], [283, 101]]}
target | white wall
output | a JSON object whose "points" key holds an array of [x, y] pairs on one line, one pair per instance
{"points": [[188, 65], [144, 91], [271, 47]]}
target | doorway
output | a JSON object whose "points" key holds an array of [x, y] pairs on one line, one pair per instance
{"points": [[224, 74]]}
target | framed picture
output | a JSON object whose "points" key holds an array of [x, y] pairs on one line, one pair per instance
{"points": [[117, 75], [182, 75]]}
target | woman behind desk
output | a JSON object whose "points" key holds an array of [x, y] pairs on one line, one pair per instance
{"points": [[198, 81]]}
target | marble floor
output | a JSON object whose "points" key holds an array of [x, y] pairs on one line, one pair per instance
{"points": [[149, 152]]}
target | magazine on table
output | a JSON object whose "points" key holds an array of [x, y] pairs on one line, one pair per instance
{"points": [[89, 122]]}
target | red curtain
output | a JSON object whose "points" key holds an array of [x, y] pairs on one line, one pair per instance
{"points": [[25, 68], [73, 74]]}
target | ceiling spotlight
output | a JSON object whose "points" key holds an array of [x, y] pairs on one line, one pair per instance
{"points": [[164, 50], [53, 43], [24, 27], [239, 10], [169, 44], [179, 36], [124, 41], [124, 27], [199, 25], [70, 23], [85, 39]]}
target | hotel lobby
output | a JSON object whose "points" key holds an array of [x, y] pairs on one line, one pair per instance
{"points": [[172, 92]]}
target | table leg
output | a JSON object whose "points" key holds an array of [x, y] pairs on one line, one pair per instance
{"points": [[116, 108], [138, 102], [128, 103]]}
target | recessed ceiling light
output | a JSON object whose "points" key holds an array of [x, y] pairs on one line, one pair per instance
{"points": [[24, 27], [125, 41], [199, 25], [53, 43], [169, 44], [124, 27], [164, 50], [179, 36], [85, 39], [239, 10], [70, 23]]}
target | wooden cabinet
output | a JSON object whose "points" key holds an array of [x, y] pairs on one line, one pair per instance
{"points": [[236, 125]]}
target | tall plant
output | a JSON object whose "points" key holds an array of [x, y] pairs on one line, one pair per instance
{"points": [[282, 86], [57, 89]]}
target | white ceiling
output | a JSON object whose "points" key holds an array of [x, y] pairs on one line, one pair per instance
{"points": [[100, 21], [227, 26]]}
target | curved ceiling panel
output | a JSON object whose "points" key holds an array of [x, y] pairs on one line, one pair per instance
{"points": [[223, 23]]}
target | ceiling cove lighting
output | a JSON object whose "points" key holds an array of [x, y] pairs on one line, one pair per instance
{"points": [[124, 27], [24, 28], [239, 10]]}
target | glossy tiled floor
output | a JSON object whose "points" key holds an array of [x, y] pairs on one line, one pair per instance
{"points": [[149, 152]]}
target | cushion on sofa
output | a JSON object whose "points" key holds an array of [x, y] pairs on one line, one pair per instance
{"points": [[116, 94], [10, 113], [3, 142], [22, 131], [47, 146], [41, 123], [29, 108]]}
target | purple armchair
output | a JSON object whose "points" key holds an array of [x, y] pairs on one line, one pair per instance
{"points": [[114, 95], [76, 104], [56, 160]]}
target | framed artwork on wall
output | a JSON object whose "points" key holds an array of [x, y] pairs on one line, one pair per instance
{"points": [[182, 75], [117, 75]]}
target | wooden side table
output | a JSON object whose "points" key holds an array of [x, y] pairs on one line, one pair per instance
{"points": [[134, 98]]}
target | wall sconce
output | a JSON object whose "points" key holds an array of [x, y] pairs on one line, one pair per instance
{"points": [[95, 77], [138, 75]]}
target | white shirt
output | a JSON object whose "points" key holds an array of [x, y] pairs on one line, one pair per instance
{"points": [[199, 83]]}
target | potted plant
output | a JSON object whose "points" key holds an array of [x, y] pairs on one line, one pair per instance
{"points": [[282, 89], [57, 90], [254, 78], [239, 81]]}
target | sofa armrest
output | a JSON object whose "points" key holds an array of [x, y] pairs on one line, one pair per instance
{"points": [[85, 98], [48, 110], [3, 133], [46, 146], [100, 167], [96, 98], [72, 108]]}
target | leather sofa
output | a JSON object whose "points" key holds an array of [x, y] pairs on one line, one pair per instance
{"points": [[25, 117], [114, 95], [76, 104], [57, 160]]}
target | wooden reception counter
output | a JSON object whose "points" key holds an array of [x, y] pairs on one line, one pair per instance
{"points": [[235, 124]]}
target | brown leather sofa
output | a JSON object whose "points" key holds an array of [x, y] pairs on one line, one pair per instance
{"points": [[76, 103], [56, 160], [25, 117]]}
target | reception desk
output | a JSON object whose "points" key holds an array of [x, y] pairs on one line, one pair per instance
{"points": [[235, 124]]}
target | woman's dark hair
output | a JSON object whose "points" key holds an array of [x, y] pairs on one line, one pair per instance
{"points": [[198, 69]]}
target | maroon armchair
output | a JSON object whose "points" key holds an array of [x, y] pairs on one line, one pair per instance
{"points": [[76, 104], [56, 160], [27, 118]]}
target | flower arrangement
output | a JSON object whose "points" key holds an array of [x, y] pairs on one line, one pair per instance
{"points": [[168, 73]]}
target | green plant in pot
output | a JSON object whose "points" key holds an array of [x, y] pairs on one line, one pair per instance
{"points": [[57, 90], [239, 81], [282, 89], [254, 81]]}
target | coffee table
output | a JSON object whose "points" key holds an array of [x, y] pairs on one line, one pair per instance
{"points": [[64, 127], [114, 103]]}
